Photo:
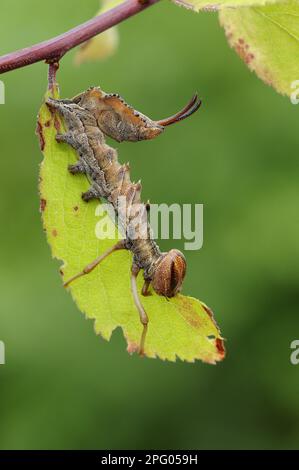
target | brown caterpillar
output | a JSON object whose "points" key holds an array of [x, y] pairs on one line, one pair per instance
{"points": [[90, 117]]}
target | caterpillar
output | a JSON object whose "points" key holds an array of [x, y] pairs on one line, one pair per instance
{"points": [[90, 117]]}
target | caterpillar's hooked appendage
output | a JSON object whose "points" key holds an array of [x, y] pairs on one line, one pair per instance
{"points": [[189, 109], [89, 117]]}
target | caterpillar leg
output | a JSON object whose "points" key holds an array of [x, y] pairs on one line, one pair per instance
{"points": [[143, 316], [70, 139], [90, 194], [91, 266], [96, 191], [77, 168], [67, 138], [75, 141]]}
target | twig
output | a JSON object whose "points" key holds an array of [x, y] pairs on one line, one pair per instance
{"points": [[54, 49]]}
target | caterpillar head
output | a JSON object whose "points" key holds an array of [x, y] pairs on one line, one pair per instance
{"points": [[121, 122], [169, 273]]}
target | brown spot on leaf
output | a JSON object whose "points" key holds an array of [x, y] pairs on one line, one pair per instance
{"points": [[42, 206], [242, 50], [132, 348], [57, 123], [54, 232], [220, 347], [48, 123], [61, 272], [76, 208], [40, 134], [56, 120], [187, 312]]}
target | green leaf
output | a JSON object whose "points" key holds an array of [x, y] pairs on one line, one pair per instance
{"points": [[103, 45], [267, 39], [181, 327], [198, 5]]}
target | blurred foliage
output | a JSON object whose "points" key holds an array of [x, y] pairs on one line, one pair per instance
{"points": [[62, 386], [248, 31], [102, 46], [264, 33]]}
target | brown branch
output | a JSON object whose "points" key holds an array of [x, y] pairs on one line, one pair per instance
{"points": [[54, 49]]}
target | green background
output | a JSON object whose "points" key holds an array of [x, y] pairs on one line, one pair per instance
{"points": [[64, 387]]}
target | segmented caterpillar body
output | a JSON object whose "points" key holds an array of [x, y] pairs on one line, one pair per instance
{"points": [[91, 116]]}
